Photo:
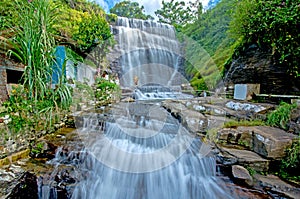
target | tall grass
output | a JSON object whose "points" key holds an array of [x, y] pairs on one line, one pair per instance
{"points": [[34, 45]]}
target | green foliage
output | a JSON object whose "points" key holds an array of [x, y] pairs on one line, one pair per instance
{"points": [[92, 31], [105, 91], [274, 25], [111, 18], [281, 116], [26, 115], [234, 123], [129, 9], [82, 24], [38, 148], [199, 84], [31, 107], [251, 170], [5, 21], [178, 13], [34, 46], [290, 165]]}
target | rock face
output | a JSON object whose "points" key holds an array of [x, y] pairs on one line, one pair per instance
{"points": [[257, 67], [26, 188]]}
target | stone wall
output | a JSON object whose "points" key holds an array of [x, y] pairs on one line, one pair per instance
{"points": [[3, 78], [5, 64]]}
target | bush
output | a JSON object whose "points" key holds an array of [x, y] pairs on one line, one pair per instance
{"points": [[281, 116], [106, 91]]}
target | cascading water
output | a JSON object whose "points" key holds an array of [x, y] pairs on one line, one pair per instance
{"points": [[149, 51], [140, 151]]}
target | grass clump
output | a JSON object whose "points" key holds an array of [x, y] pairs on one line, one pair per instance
{"points": [[234, 123]]}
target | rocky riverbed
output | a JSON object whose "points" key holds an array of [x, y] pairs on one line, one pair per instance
{"points": [[237, 149]]}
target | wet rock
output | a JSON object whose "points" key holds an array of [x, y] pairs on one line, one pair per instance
{"points": [[237, 106], [193, 120], [275, 185], [229, 156], [241, 175], [26, 188]]}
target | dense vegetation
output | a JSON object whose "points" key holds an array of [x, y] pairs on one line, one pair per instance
{"points": [[30, 32]]}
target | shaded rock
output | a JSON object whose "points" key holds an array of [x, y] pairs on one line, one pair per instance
{"points": [[241, 175], [275, 185], [256, 66], [294, 125], [271, 142], [230, 156], [26, 188]]}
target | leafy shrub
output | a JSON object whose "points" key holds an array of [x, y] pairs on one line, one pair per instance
{"points": [[281, 116], [290, 165], [92, 31]]}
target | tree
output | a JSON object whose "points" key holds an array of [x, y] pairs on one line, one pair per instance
{"points": [[178, 13], [130, 9]]}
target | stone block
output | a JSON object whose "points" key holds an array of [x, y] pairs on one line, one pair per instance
{"points": [[245, 91]]}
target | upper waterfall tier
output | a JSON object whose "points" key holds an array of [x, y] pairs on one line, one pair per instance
{"points": [[148, 51], [149, 26]]}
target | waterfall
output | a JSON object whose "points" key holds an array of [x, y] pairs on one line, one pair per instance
{"points": [[149, 51]]}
